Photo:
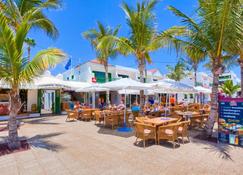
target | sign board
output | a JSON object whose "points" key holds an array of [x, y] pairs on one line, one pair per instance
{"points": [[231, 121]]}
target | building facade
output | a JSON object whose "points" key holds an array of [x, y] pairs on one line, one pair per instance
{"points": [[93, 71]]}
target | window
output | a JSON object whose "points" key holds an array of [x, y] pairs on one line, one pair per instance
{"points": [[67, 78], [72, 77], [123, 76], [100, 76], [155, 80]]}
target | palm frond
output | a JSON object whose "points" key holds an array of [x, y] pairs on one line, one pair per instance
{"points": [[43, 60]]}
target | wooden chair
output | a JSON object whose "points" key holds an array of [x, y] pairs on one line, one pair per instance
{"points": [[99, 116], [168, 132], [196, 120], [86, 115], [199, 120], [72, 115], [144, 132], [111, 119], [183, 130]]}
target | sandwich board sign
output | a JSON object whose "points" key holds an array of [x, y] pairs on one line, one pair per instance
{"points": [[230, 128]]}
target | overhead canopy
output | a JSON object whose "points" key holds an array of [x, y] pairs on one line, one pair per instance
{"points": [[92, 88], [125, 83], [171, 86], [5, 85], [203, 90], [50, 82], [74, 85], [136, 92]]}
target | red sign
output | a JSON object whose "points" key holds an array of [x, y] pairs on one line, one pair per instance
{"points": [[93, 80]]}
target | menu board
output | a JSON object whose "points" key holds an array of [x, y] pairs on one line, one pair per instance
{"points": [[231, 121]]}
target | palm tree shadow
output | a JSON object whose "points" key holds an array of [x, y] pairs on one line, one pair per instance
{"points": [[211, 144], [44, 121], [114, 132], [43, 141]]}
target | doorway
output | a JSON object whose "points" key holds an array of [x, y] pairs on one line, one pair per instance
{"points": [[47, 102]]}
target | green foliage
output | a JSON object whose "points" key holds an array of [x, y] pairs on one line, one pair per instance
{"points": [[229, 88], [16, 11], [95, 36], [142, 32], [14, 67], [177, 72], [30, 42], [218, 28]]}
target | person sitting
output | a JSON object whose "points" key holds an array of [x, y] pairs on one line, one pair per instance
{"points": [[135, 107], [147, 109], [121, 106], [156, 107], [101, 104], [172, 100]]}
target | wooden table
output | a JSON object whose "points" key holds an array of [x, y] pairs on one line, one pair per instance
{"points": [[158, 121], [187, 114]]}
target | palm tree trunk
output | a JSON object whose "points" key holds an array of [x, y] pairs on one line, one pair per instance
{"points": [[28, 53], [214, 101], [241, 73], [106, 80], [14, 107], [195, 82], [195, 76], [141, 69]]}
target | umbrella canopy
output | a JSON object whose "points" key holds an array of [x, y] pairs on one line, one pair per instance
{"points": [[125, 83], [50, 82], [136, 92], [203, 90], [92, 88], [171, 86], [5, 85], [74, 85]]}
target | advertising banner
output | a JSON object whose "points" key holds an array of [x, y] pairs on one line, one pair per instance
{"points": [[231, 121]]}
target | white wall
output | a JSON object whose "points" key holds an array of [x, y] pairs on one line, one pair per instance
{"points": [[32, 99]]}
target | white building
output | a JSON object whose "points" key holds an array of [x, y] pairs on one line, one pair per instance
{"points": [[229, 75], [203, 79], [94, 71]]}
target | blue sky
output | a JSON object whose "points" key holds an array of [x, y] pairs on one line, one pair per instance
{"points": [[77, 16]]}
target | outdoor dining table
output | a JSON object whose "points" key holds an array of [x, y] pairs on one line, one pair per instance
{"points": [[159, 121], [187, 114]]}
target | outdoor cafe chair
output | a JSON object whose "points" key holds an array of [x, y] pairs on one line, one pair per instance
{"points": [[183, 130], [168, 132], [111, 119], [99, 116], [199, 120], [72, 115], [144, 132], [86, 115]]}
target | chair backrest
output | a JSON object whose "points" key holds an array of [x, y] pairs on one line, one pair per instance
{"points": [[87, 112], [139, 127], [172, 126], [184, 125]]}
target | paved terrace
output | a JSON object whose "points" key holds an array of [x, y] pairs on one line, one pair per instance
{"points": [[83, 148]]}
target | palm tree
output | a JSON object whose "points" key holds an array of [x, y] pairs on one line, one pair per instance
{"points": [[143, 36], [15, 68], [16, 10], [193, 60], [217, 28], [229, 88], [177, 72], [30, 43], [103, 55]]}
